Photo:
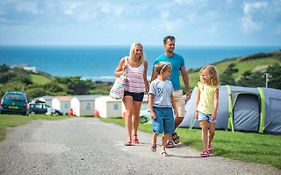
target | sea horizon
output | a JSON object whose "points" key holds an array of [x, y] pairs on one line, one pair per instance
{"points": [[99, 62]]}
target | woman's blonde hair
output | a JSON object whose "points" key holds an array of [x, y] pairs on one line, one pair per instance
{"points": [[133, 50], [212, 74], [162, 67]]}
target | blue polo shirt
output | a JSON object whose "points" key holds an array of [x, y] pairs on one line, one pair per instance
{"points": [[177, 62]]}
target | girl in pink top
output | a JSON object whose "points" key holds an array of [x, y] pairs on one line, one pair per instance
{"points": [[137, 84]]}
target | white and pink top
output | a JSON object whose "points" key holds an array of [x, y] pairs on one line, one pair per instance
{"points": [[135, 81]]}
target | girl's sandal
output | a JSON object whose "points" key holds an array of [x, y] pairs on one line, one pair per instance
{"points": [[205, 153], [164, 153], [153, 148], [210, 149]]}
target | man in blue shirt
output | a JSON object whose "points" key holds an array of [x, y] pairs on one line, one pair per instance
{"points": [[178, 68]]}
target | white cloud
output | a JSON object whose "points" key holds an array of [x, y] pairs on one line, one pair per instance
{"points": [[250, 8], [28, 6], [192, 2], [248, 23]]}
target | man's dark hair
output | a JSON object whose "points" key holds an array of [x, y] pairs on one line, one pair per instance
{"points": [[168, 37]]}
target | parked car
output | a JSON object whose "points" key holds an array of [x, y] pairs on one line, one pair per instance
{"points": [[14, 102], [43, 108]]}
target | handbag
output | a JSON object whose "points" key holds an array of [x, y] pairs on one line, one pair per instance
{"points": [[118, 88]]}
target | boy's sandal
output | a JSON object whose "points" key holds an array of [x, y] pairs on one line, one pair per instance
{"points": [[128, 143], [153, 148], [170, 144], [205, 153], [164, 153], [176, 138]]}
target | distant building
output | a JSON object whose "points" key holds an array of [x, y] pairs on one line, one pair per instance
{"points": [[25, 67], [83, 105]]}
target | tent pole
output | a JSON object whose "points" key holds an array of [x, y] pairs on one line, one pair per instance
{"points": [[230, 109], [262, 114]]}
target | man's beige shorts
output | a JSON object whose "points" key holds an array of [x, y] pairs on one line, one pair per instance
{"points": [[179, 100]]}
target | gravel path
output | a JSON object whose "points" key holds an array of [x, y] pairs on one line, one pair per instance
{"points": [[89, 146]]}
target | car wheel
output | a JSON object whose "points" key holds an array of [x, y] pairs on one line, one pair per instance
{"points": [[32, 112]]}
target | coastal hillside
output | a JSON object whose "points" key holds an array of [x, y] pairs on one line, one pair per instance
{"points": [[247, 71], [241, 69], [36, 84]]}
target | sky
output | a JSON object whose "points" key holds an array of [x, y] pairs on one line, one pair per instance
{"points": [[122, 22]]}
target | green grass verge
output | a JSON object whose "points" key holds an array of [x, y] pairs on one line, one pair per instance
{"points": [[17, 120], [248, 147]]}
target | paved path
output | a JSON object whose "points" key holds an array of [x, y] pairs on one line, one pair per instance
{"points": [[89, 146]]}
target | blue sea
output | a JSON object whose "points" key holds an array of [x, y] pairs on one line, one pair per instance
{"points": [[99, 62]]}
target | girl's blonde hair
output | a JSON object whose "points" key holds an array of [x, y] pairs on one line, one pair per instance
{"points": [[133, 50], [162, 67], [212, 74]]}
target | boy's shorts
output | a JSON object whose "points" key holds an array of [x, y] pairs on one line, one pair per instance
{"points": [[164, 122], [206, 117], [179, 100]]}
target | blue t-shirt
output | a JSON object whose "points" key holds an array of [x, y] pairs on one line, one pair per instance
{"points": [[177, 62], [162, 91]]}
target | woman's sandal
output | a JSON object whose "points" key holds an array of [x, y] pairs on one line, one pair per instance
{"points": [[164, 153], [129, 143], [135, 139], [176, 138], [153, 148]]}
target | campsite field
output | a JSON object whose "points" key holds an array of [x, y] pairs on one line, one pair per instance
{"points": [[17, 120], [248, 147]]}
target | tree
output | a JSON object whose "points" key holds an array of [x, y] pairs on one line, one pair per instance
{"points": [[4, 68], [227, 76], [251, 79], [275, 79]]}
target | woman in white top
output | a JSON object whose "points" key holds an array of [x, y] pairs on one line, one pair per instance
{"points": [[136, 85]]}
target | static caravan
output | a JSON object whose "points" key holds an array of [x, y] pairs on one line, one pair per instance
{"points": [[62, 103], [83, 105], [108, 107]]}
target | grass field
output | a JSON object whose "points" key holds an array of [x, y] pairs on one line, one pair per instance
{"points": [[248, 147], [17, 120], [39, 79]]}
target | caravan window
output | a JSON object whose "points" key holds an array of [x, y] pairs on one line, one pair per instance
{"points": [[116, 107], [88, 106]]}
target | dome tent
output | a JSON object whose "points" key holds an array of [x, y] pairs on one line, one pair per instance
{"points": [[242, 109]]}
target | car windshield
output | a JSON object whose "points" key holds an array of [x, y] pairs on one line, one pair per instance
{"points": [[15, 97]]}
